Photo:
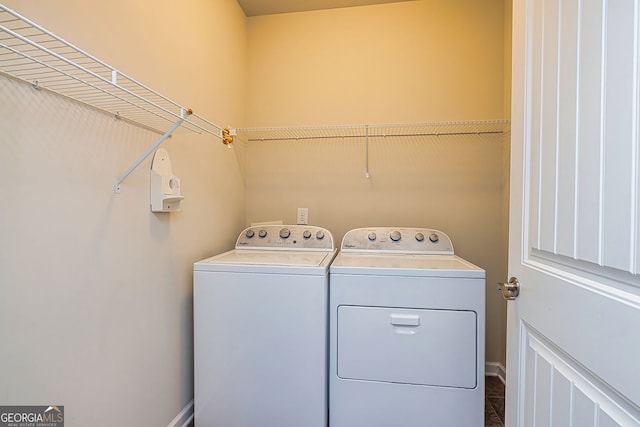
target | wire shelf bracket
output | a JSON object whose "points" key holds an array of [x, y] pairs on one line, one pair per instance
{"points": [[33, 55], [166, 135]]}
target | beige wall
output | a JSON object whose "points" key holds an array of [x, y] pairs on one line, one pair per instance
{"points": [[408, 62], [427, 60], [95, 290]]}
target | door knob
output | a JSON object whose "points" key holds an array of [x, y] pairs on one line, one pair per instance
{"points": [[511, 289]]}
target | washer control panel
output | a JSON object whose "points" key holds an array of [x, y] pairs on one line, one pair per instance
{"points": [[399, 240], [294, 237]]}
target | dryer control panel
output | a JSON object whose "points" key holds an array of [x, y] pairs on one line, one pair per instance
{"points": [[286, 237], [425, 241]]}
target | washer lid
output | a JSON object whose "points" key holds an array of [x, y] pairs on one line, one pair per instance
{"points": [[257, 257], [249, 260], [404, 265]]}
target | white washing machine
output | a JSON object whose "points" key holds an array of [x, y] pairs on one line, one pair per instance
{"points": [[261, 330], [407, 332]]}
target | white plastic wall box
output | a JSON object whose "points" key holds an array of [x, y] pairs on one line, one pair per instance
{"points": [[165, 186]]}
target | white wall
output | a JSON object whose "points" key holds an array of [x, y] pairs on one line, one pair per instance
{"points": [[95, 290], [421, 61]]}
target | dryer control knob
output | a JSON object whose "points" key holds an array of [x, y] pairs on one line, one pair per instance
{"points": [[434, 238], [262, 233], [285, 233], [249, 234], [395, 235], [372, 236], [419, 237], [320, 235], [306, 234]]}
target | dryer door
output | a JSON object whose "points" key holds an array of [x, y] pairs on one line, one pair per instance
{"points": [[408, 346]]}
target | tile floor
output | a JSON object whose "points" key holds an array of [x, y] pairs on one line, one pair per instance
{"points": [[493, 402]]}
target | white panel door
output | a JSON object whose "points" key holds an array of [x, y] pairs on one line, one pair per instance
{"points": [[573, 356]]}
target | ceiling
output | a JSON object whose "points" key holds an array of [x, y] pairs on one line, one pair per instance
{"points": [[270, 7]]}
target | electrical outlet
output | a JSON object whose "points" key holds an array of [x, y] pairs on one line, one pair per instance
{"points": [[303, 216]]}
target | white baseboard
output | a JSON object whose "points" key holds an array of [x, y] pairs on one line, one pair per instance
{"points": [[184, 417], [496, 369]]}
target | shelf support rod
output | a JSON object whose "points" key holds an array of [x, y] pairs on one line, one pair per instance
{"points": [[366, 153], [167, 134]]}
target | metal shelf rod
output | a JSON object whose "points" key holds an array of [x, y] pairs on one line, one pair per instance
{"points": [[389, 135], [366, 154], [151, 149]]}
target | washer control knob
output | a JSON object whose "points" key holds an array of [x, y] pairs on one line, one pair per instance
{"points": [[306, 234], [249, 234], [434, 237], [285, 233], [395, 235], [320, 235], [419, 237], [372, 236], [262, 233]]}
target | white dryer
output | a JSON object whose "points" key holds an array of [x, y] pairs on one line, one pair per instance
{"points": [[407, 332], [261, 330]]}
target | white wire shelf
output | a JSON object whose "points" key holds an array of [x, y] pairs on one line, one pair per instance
{"points": [[375, 131], [367, 133], [32, 54]]}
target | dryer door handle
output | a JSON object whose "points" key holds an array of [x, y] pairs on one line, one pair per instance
{"points": [[405, 320]]}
